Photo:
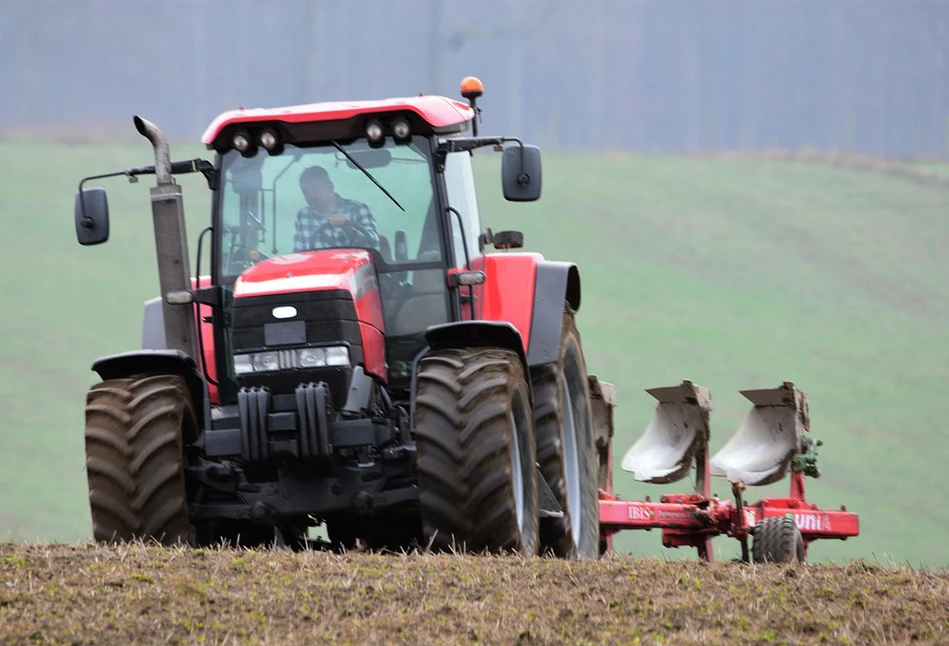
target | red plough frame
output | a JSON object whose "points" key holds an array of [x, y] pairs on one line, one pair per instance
{"points": [[693, 519]]}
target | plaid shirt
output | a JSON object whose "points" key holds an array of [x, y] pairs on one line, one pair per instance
{"points": [[313, 229]]}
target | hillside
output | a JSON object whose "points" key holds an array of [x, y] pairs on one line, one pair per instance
{"points": [[86, 595], [733, 273]]}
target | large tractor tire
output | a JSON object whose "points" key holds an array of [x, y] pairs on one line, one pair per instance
{"points": [[135, 429], [778, 540], [566, 448], [477, 472]]}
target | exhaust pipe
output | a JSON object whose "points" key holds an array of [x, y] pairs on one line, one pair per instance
{"points": [[171, 247], [162, 154]]}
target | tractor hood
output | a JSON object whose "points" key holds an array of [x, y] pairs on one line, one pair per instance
{"points": [[328, 269]]}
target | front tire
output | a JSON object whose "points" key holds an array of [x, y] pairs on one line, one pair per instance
{"points": [[566, 448], [477, 474], [135, 430]]}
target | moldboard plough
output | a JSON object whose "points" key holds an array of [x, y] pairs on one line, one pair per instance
{"points": [[773, 440]]}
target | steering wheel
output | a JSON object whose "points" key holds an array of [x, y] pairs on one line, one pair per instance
{"points": [[324, 235], [359, 229]]}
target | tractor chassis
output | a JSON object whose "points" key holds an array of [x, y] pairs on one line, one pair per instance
{"points": [[274, 457], [291, 495]]}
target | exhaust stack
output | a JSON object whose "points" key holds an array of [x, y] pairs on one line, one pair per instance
{"points": [[162, 154], [171, 245]]}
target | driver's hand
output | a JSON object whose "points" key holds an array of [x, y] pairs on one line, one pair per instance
{"points": [[339, 219]]}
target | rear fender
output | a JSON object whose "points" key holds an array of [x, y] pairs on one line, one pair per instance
{"points": [[556, 283], [164, 362], [529, 292]]}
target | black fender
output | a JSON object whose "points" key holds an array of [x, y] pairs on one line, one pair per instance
{"points": [[165, 362], [555, 284], [465, 334], [461, 334]]}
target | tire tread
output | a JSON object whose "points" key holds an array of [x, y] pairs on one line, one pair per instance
{"points": [[135, 467], [464, 468]]}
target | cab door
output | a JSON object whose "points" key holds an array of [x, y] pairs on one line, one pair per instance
{"points": [[465, 235]]}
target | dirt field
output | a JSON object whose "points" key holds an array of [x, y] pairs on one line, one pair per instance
{"points": [[137, 595]]}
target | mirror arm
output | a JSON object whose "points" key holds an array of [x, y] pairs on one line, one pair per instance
{"points": [[86, 220], [470, 143], [203, 166], [460, 145]]}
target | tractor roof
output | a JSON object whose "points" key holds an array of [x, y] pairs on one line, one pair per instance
{"points": [[438, 111]]}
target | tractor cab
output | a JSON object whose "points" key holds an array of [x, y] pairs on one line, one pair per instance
{"points": [[372, 201], [294, 222]]}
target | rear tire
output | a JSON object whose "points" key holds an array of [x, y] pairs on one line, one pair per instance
{"points": [[778, 540], [135, 429], [566, 449], [477, 473]]}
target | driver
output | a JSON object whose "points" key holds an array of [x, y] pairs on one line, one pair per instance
{"points": [[329, 220]]}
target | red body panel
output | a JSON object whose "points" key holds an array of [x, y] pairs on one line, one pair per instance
{"points": [[508, 290], [206, 330], [316, 271], [374, 351], [438, 111]]}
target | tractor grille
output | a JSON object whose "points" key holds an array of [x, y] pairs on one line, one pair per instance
{"points": [[323, 318], [329, 317]]}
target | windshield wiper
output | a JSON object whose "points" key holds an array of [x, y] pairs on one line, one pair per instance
{"points": [[368, 174]]}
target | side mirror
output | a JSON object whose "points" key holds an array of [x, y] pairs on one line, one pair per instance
{"points": [[92, 216], [521, 173]]}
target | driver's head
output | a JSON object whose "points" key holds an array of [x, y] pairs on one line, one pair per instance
{"points": [[317, 187]]}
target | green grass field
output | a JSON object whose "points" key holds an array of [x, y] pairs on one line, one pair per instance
{"points": [[733, 273]]}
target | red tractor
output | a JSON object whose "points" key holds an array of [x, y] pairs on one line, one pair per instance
{"points": [[354, 358]]}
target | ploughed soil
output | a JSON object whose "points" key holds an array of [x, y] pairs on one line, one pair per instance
{"points": [[133, 594]]}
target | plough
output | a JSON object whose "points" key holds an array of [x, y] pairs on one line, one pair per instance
{"points": [[773, 440]]}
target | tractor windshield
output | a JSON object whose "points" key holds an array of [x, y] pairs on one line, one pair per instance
{"points": [[326, 196]]}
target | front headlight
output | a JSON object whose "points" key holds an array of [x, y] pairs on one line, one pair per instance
{"points": [[243, 364], [319, 357], [312, 358], [297, 358], [265, 361], [337, 356]]}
